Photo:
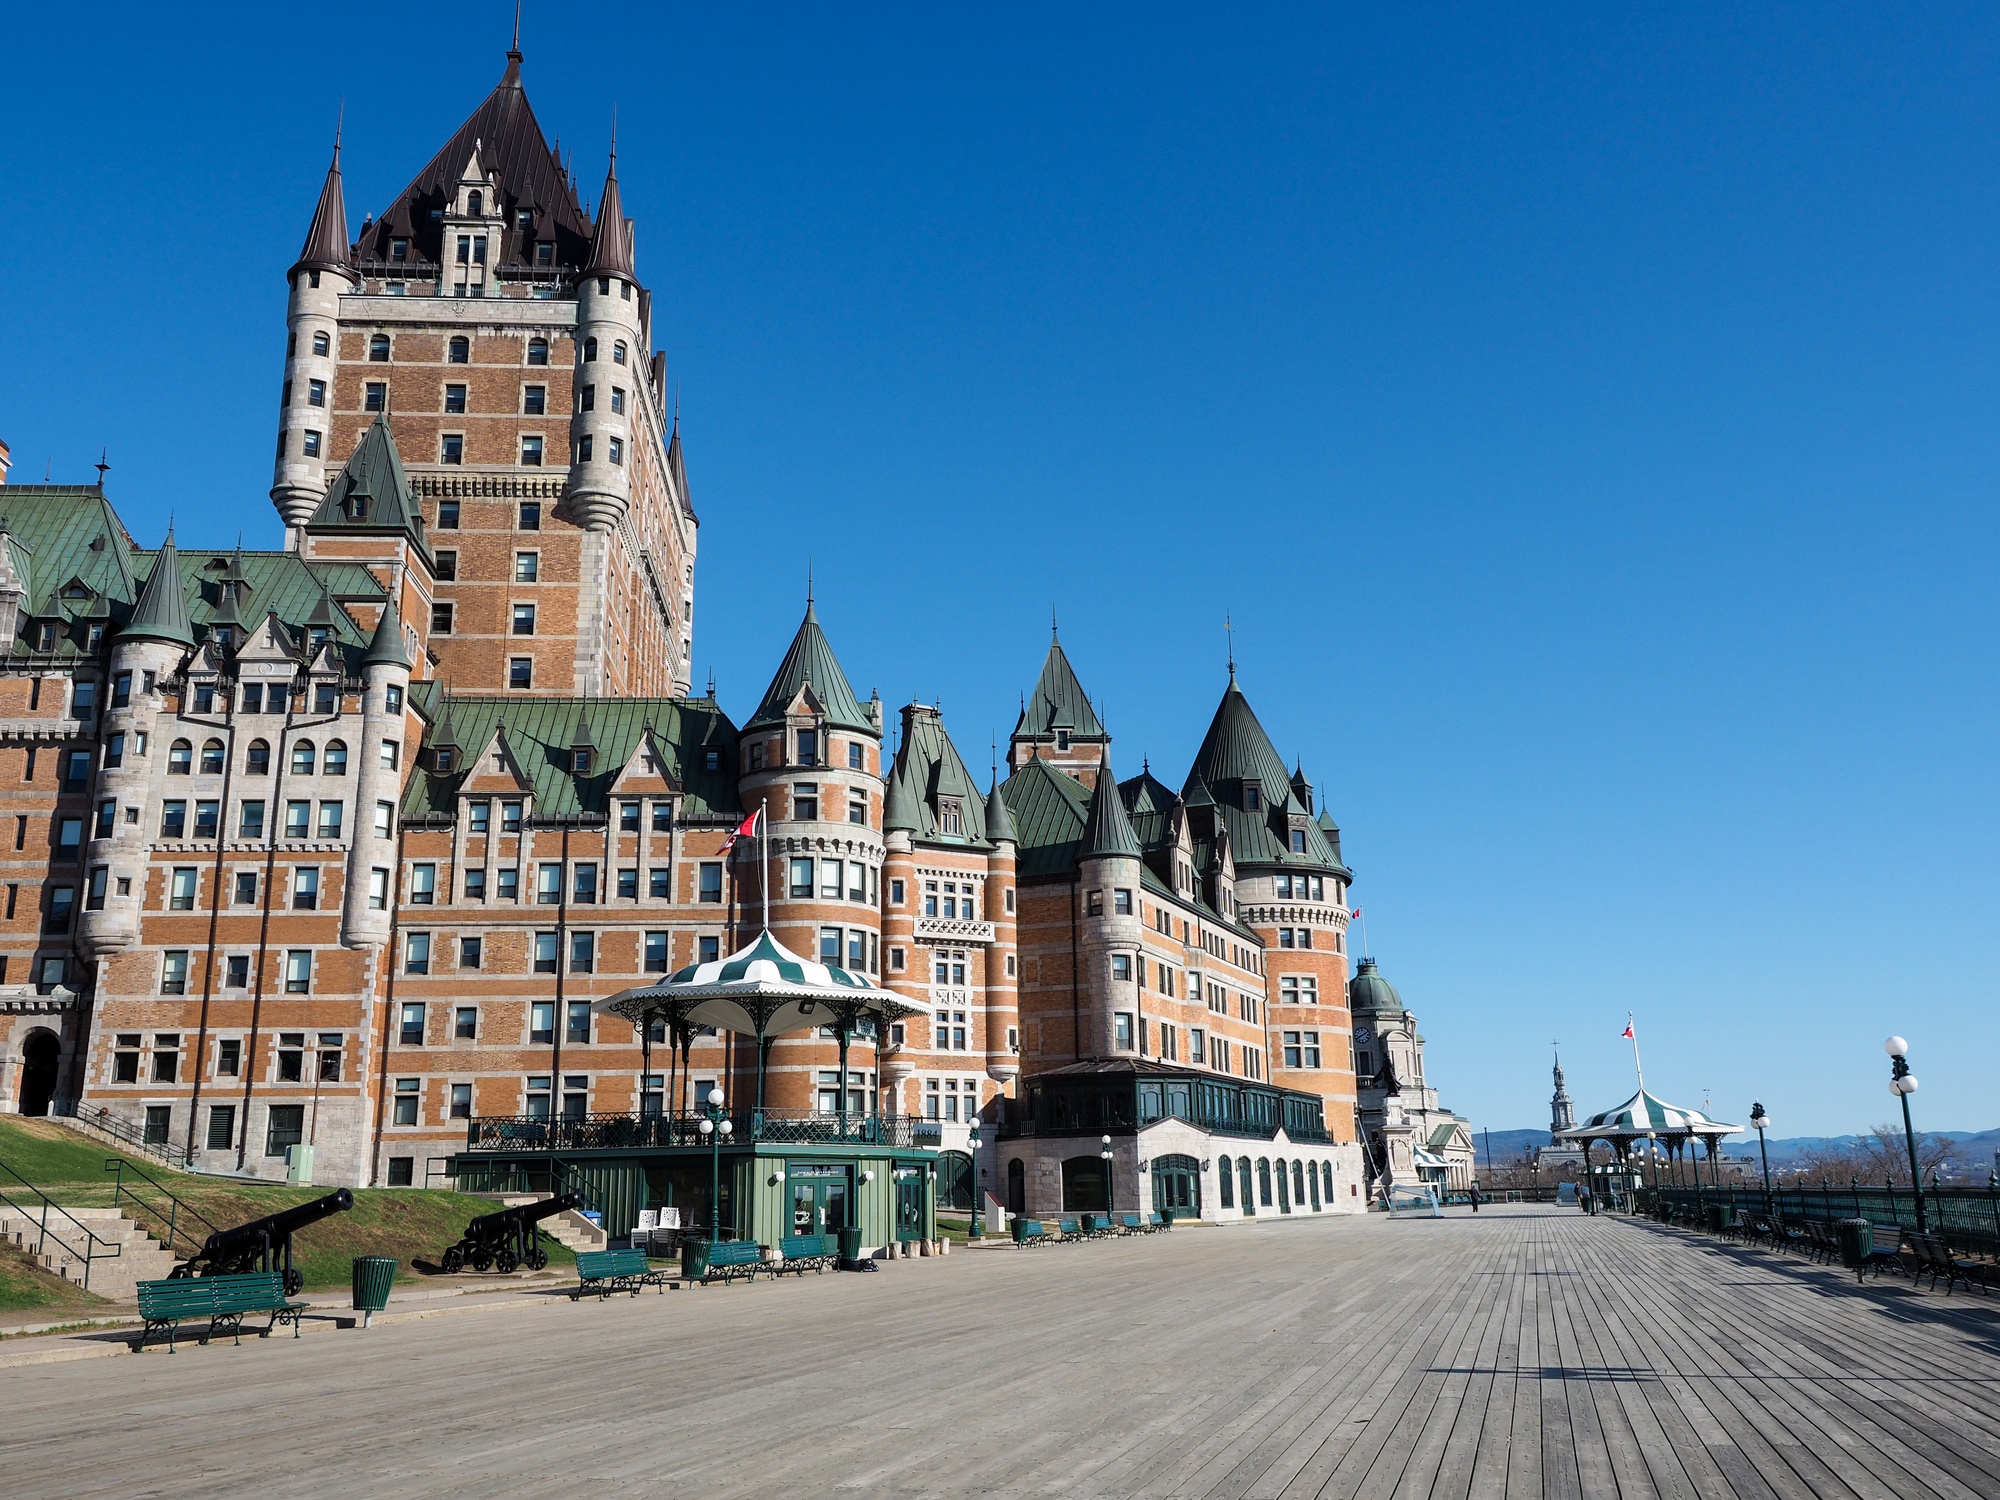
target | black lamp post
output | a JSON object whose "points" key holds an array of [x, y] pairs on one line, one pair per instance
{"points": [[1104, 1155], [717, 1127], [1903, 1083], [1761, 1122], [972, 1171]]}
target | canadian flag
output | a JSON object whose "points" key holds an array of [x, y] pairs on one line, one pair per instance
{"points": [[1628, 1033], [1354, 913], [747, 829]]}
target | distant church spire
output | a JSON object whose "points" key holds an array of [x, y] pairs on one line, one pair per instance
{"points": [[1562, 1113]]}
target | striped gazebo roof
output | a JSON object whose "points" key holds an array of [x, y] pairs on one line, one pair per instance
{"points": [[1646, 1114], [762, 989]]}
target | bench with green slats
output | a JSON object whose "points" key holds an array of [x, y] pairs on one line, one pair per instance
{"points": [[729, 1259], [606, 1271], [808, 1252], [223, 1300]]}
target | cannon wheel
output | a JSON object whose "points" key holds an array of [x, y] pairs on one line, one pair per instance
{"points": [[536, 1259], [454, 1261], [482, 1259], [295, 1281], [505, 1261]]}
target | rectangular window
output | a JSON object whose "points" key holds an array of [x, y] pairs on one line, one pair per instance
{"points": [[542, 1021], [578, 1029], [237, 972], [510, 817], [1121, 966], [447, 515], [527, 567], [538, 1098], [830, 886], [298, 819], [121, 690], [545, 953], [656, 953], [173, 819], [416, 953], [1122, 1031], [618, 398], [285, 1127], [298, 971], [412, 1033], [221, 1126], [614, 449], [509, 885], [423, 884], [305, 890], [451, 448], [475, 885], [857, 881], [708, 949], [174, 972], [829, 945], [628, 885], [246, 887], [375, 395], [454, 399], [465, 1023], [520, 672], [330, 819], [531, 515], [805, 803], [659, 884], [461, 1101], [663, 817], [441, 617], [391, 753], [531, 451], [711, 883], [583, 887], [857, 806], [1121, 903], [311, 444], [181, 889], [408, 1096], [534, 400], [548, 885]]}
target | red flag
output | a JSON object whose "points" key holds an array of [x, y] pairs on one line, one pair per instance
{"points": [[746, 830], [1628, 1032]]}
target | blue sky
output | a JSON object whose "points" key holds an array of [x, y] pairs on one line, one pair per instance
{"points": [[1586, 417]]}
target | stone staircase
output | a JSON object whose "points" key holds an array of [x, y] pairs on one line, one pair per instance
{"points": [[116, 1276], [568, 1228]]}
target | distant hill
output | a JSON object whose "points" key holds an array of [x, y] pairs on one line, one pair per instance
{"points": [[1969, 1147]]}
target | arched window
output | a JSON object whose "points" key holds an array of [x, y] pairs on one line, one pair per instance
{"points": [[459, 352], [1243, 1179], [1326, 1173], [1225, 1175], [618, 352], [211, 758], [258, 762], [475, 203], [378, 349], [180, 758], [590, 351], [1299, 1184], [321, 345], [1312, 1178], [336, 757], [1284, 1191], [538, 351], [1264, 1181], [302, 758]]}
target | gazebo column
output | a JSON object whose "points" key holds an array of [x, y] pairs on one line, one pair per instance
{"points": [[763, 1062]]}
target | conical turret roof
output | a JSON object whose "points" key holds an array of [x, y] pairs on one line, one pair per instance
{"points": [[385, 648], [326, 247], [900, 808], [161, 613], [810, 663], [1059, 701], [611, 245], [999, 820], [1106, 828]]}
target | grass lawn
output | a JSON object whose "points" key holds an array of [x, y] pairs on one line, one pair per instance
{"points": [[410, 1224], [24, 1285]]}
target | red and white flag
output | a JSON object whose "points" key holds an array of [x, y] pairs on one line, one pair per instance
{"points": [[1355, 913], [1628, 1033], [745, 830]]}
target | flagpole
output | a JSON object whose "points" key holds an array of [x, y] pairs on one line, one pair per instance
{"points": [[764, 879], [1633, 1032]]}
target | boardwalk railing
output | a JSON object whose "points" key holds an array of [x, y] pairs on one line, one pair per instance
{"points": [[1968, 1218], [612, 1132]]}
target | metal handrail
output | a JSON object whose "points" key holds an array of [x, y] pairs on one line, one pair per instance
{"points": [[123, 1132], [171, 1218], [91, 1239]]}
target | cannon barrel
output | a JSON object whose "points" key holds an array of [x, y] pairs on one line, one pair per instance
{"points": [[487, 1226], [275, 1227]]}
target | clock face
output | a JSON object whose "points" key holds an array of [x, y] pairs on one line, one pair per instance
{"points": [[1364, 1034]]}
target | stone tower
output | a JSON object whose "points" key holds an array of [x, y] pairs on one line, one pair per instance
{"points": [[1562, 1113]]}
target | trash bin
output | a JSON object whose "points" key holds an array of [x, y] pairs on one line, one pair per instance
{"points": [[373, 1276], [694, 1258], [1719, 1217], [850, 1246], [1857, 1242]]}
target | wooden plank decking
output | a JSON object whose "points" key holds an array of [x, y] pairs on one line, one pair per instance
{"points": [[1526, 1352]]}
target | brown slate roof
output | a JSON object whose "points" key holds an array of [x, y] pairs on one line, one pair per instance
{"points": [[611, 249], [326, 247], [510, 143]]}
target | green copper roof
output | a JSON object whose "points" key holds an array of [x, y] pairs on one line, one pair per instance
{"points": [[810, 663], [999, 818], [1106, 828], [1237, 756], [540, 732], [929, 770], [1048, 807], [1058, 702], [161, 613], [386, 648], [1369, 991], [371, 493]]}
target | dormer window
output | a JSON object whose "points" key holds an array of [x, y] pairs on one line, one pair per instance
{"points": [[1062, 739], [399, 249], [1253, 796], [444, 760], [808, 747], [475, 203], [545, 253], [1298, 841], [951, 815], [524, 220], [581, 761]]}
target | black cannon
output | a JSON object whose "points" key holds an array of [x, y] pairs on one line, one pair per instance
{"points": [[263, 1244], [508, 1239]]}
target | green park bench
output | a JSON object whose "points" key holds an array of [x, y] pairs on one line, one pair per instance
{"points": [[1069, 1229], [224, 1300], [1131, 1224], [729, 1259], [1097, 1226], [608, 1271], [808, 1252], [1154, 1223], [1030, 1232]]}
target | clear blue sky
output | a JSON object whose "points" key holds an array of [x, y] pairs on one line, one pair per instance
{"points": [[1587, 418]]}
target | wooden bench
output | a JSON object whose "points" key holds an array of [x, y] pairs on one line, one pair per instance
{"points": [[608, 1271], [729, 1259], [224, 1300], [1028, 1232], [808, 1252]]}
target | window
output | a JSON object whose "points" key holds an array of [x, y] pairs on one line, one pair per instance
{"points": [[246, 888], [531, 451], [1122, 1031], [211, 758], [524, 619], [125, 1062], [181, 888], [326, 698], [520, 672], [711, 883], [542, 1021], [99, 878], [1121, 903], [538, 351], [451, 448], [583, 888], [857, 806], [305, 889], [315, 393], [447, 515], [1298, 989], [378, 349], [298, 971], [285, 1127], [257, 761], [538, 1098], [412, 1034], [576, 1097], [659, 884], [628, 817], [304, 753], [180, 758], [1121, 967], [510, 817], [461, 1101], [390, 754], [805, 803], [408, 1091], [459, 350], [311, 448], [329, 819], [69, 832], [577, 1027], [656, 953], [857, 881], [298, 818], [121, 690], [375, 396], [545, 953], [618, 400], [423, 884], [475, 885], [614, 449], [174, 972], [527, 567], [454, 400], [589, 350], [1301, 1049], [587, 399], [531, 515], [802, 878], [441, 618], [830, 886], [618, 352], [663, 817]]}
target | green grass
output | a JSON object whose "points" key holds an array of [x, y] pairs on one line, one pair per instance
{"points": [[411, 1224], [25, 1285]]}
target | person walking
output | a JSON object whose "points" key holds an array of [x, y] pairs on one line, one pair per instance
{"points": [[1475, 1195], [1583, 1196]]}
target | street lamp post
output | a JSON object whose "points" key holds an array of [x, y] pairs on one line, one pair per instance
{"points": [[1104, 1155], [1761, 1122], [717, 1127], [1903, 1083], [972, 1171]]}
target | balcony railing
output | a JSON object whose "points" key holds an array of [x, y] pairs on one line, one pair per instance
{"points": [[619, 1132], [953, 930]]}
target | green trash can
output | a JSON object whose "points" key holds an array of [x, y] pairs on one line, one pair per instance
{"points": [[694, 1258], [850, 1247], [1019, 1228], [1857, 1242], [373, 1276], [1718, 1217]]}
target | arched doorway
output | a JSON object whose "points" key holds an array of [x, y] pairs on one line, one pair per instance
{"points": [[954, 1180], [1017, 1186], [41, 1056], [1177, 1187], [1084, 1188]]}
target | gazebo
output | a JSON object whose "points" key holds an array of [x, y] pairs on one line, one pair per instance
{"points": [[1646, 1117]]}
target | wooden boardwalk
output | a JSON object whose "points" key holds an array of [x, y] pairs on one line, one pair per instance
{"points": [[1526, 1352]]}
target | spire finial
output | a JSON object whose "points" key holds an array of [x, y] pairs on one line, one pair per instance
{"points": [[614, 138], [514, 48], [339, 124], [1229, 634], [102, 466], [1053, 636], [809, 583]]}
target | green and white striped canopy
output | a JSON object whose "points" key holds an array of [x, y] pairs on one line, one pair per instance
{"points": [[1646, 1114], [763, 989]]}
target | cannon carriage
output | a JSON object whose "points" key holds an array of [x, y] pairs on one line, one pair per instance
{"points": [[263, 1244], [509, 1239]]}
